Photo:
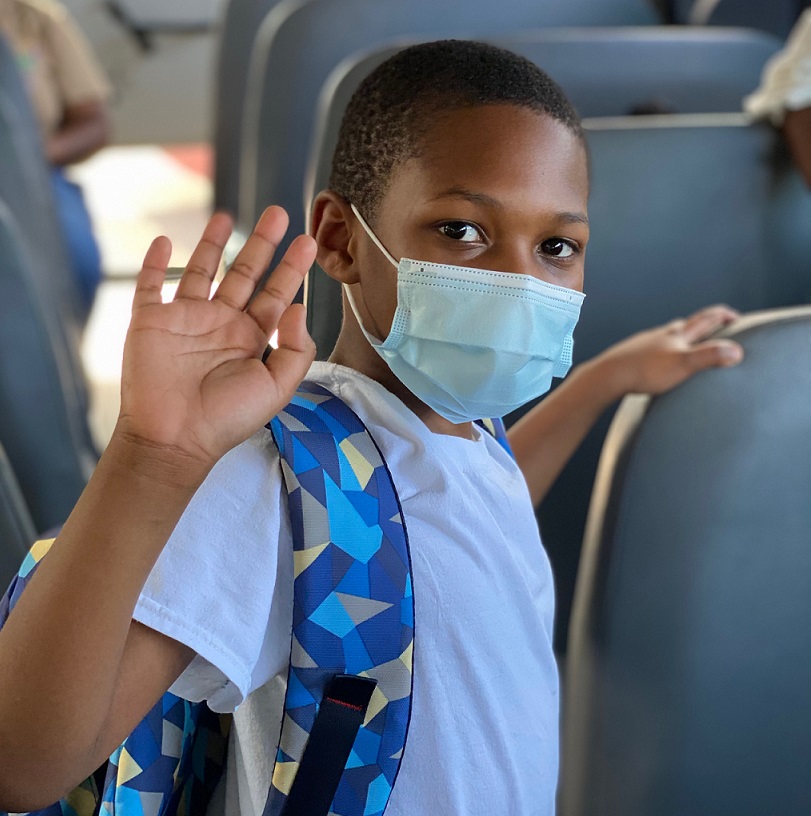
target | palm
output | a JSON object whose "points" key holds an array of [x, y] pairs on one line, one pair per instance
{"points": [[194, 380]]}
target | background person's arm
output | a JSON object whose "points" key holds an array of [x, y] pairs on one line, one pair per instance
{"points": [[797, 133], [85, 129], [784, 95], [76, 79]]}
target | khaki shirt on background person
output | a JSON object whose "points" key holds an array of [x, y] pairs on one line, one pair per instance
{"points": [[55, 59], [784, 95], [786, 83]]}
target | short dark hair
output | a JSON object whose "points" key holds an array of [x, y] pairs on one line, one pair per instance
{"points": [[396, 105]]}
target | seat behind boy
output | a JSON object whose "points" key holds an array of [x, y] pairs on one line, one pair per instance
{"points": [[353, 615]]}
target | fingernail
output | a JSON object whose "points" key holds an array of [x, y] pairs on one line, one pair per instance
{"points": [[731, 354]]}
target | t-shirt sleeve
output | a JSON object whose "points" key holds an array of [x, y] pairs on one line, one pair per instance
{"points": [[223, 583], [76, 69], [786, 82]]}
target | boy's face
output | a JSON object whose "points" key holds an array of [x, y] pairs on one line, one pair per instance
{"points": [[496, 187]]}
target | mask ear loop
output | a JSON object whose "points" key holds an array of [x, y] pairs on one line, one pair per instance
{"points": [[374, 341], [374, 238]]}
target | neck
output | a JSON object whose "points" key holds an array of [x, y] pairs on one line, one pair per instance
{"points": [[352, 350]]}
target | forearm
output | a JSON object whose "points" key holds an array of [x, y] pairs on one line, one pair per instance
{"points": [[544, 440], [62, 647], [83, 131], [797, 132]]}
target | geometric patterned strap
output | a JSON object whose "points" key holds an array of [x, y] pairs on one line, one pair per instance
{"points": [[496, 429], [26, 572], [353, 602], [168, 766]]}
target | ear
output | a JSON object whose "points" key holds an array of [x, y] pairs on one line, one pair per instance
{"points": [[331, 226]]}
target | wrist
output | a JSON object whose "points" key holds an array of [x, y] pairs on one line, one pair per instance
{"points": [[163, 467], [606, 379]]}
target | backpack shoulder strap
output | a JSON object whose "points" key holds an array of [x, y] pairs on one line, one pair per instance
{"points": [[353, 606], [23, 577], [495, 427]]}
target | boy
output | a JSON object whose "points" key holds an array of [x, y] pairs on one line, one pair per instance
{"points": [[453, 153]]}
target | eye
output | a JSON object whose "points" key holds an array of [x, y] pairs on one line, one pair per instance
{"points": [[558, 248], [461, 231]]}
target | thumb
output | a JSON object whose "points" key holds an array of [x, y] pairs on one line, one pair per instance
{"points": [[715, 354]]}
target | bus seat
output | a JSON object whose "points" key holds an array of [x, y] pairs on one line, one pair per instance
{"points": [[687, 677]]}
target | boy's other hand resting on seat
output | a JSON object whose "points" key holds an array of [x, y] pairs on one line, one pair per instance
{"points": [[650, 362]]}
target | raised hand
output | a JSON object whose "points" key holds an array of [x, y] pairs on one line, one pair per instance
{"points": [[193, 381], [659, 359]]}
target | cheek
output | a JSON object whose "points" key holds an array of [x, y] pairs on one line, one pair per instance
{"points": [[576, 278], [571, 278], [579, 281], [380, 295]]}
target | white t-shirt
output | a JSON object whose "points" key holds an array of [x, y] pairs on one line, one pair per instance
{"points": [[483, 736]]}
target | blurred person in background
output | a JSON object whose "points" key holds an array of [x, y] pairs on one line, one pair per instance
{"points": [[68, 92], [784, 95]]}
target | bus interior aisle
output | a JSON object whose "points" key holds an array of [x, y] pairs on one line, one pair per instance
{"points": [[135, 192]]}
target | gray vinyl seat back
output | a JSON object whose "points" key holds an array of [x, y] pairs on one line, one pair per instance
{"points": [[301, 41], [17, 532], [618, 71], [695, 197], [690, 658], [25, 185], [26, 189], [43, 426], [775, 16], [604, 72], [240, 22], [685, 212]]}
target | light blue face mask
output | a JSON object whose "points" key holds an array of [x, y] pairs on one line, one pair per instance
{"points": [[471, 343]]}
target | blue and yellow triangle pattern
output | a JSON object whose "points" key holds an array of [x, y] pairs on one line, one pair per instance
{"points": [[168, 766], [353, 614], [353, 602]]}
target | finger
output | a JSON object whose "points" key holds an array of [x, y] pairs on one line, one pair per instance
{"points": [[703, 323], [280, 288], [150, 278], [289, 363], [714, 354], [253, 259], [202, 266]]}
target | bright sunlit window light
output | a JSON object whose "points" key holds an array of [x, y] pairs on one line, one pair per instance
{"points": [[169, 290]]}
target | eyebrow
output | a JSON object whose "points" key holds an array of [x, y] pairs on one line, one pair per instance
{"points": [[489, 201]]}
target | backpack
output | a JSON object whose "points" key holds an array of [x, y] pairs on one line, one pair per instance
{"points": [[348, 697]]}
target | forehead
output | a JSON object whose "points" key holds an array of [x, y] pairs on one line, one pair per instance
{"points": [[517, 156]]}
